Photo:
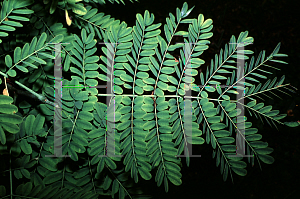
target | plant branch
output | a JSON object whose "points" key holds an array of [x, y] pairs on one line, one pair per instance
{"points": [[35, 95]]}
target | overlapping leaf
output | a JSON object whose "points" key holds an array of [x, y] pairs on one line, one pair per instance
{"points": [[9, 15]]}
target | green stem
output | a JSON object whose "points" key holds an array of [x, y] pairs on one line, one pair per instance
{"points": [[10, 175], [40, 97]]}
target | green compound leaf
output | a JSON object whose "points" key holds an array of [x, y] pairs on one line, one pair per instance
{"points": [[150, 114]]}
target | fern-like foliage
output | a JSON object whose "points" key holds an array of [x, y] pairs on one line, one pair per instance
{"points": [[9, 15], [154, 109]]}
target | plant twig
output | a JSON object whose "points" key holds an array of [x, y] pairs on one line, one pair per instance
{"points": [[38, 96]]}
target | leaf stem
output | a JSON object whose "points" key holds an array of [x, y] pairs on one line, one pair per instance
{"points": [[40, 97], [10, 175], [263, 91], [268, 58]]}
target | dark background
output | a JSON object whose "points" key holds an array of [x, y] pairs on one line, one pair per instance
{"points": [[268, 22]]}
